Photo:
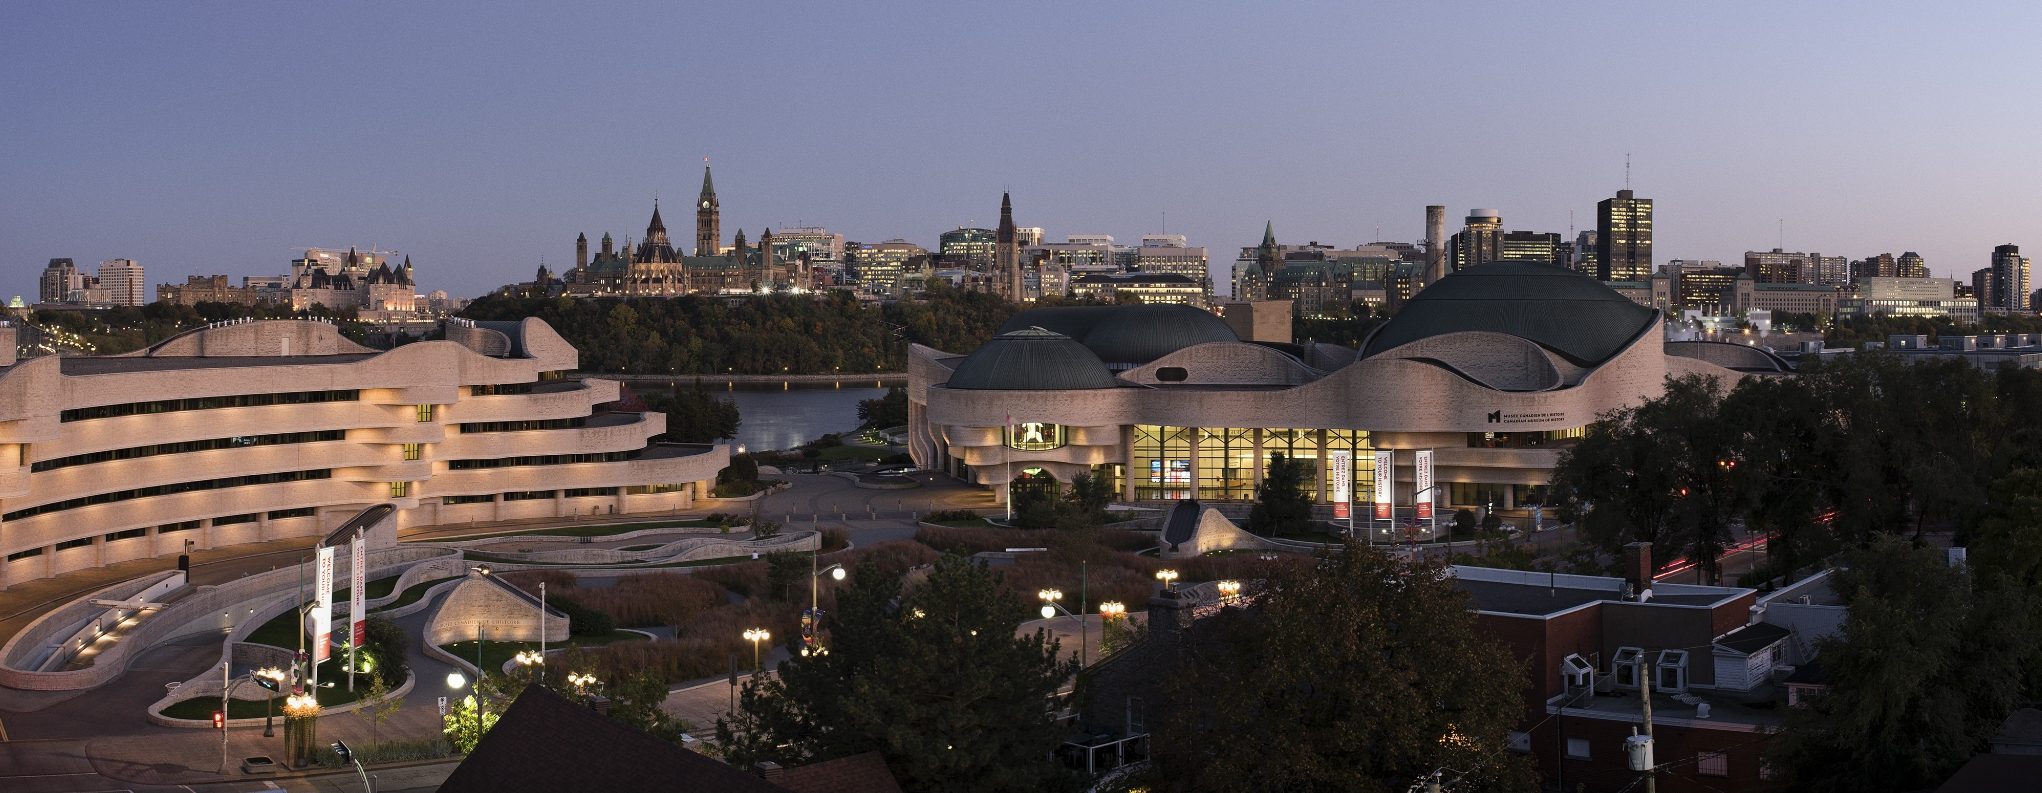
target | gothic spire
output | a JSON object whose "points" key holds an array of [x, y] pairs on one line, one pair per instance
{"points": [[708, 185], [1268, 234], [1006, 231], [656, 224]]}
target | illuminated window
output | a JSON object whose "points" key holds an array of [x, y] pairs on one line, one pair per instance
{"points": [[413, 451], [1035, 436], [400, 489], [425, 413]]}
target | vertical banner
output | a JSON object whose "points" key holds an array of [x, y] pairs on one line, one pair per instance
{"points": [[357, 571], [1343, 485], [1422, 477], [1386, 462], [322, 610]]}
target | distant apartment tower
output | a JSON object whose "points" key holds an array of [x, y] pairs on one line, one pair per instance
{"points": [[1480, 239], [1777, 266], [2009, 280], [1981, 288], [1880, 266], [1912, 265], [1623, 232], [1585, 261], [1172, 254], [125, 283], [967, 247], [60, 279]]}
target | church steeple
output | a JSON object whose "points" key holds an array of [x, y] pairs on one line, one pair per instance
{"points": [[655, 232], [708, 220], [1007, 254]]}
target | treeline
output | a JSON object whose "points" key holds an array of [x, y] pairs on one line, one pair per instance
{"points": [[1833, 457], [765, 334], [1855, 331], [128, 328]]}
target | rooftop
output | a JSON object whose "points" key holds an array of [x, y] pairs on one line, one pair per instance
{"points": [[1532, 593], [77, 365], [1574, 315]]}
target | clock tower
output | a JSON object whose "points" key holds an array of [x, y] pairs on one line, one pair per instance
{"points": [[708, 230]]}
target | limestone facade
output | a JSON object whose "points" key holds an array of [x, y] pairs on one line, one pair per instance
{"points": [[259, 430]]}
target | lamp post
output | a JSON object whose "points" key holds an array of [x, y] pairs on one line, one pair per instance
{"points": [[582, 682], [811, 620], [1230, 591], [756, 635], [456, 681], [533, 662], [1169, 579], [1050, 607]]}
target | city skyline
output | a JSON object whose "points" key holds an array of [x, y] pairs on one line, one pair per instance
{"points": [[481, 155]]}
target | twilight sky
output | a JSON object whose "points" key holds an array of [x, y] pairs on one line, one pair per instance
{"points": [[481, 137]]}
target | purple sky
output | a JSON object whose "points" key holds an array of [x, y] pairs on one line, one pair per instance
{"points": [[224, 138]]}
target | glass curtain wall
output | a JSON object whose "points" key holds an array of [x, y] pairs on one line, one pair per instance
{"points": [[1162, 463], [1226, 464]]}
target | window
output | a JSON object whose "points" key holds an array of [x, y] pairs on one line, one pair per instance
{"points": [[500, 389], [66, 545], [1577, 748], [528, 495], [163, 490], [1226, 464], [646, 490], [522, 426], [207, 403], [183, 447], [1172, 374], [1035, 436], [400, 489], [228, 520], [590, 492], [1576, 673], [20, 555], [413, 451], [301, 512], [1712, 764], [478, 499], [425, 413], [186, 525], [127, 535], [545, 459]]}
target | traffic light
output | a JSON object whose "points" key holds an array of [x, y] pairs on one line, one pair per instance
{"points": [[219, 720]]}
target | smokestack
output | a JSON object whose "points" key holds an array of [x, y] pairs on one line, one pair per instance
{"points": [[1435, 243], [1638, 568]]}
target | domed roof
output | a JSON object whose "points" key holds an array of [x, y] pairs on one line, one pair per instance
{"points": [[1031, 359], [1128, 335], [1574, 315]]}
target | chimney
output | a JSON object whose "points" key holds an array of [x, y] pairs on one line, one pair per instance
{"points": [[1435, 243], [769, 770], [1638, 567], [1168, 614]]}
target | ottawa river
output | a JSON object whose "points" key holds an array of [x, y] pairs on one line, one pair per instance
{"points": [[773, 417]]}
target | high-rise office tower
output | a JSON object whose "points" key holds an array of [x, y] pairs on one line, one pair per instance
{"points": [[126, 285], [1435, 243], [1623, 230], [1585, 261], [708, 218], [2009, 280], [1480, 239]]}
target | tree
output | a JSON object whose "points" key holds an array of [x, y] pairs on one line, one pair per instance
{"points": [[783, 571], [636, 701], [387, 644], [890, 410], [1334, 670], [461, 724], [972, 715], [381, 706], [1281, 506], [1464, 523], [1929, 663], [1084, 506], [693, 415]]}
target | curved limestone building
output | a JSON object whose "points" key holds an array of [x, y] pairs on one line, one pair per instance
{"points": [[252, 431], [1494, 369]]}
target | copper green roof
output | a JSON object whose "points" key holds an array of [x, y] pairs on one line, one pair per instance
{"points": [[1031, 359], [1574, 315]]}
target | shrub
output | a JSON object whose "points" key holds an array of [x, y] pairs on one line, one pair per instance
{"points": [[383, 638], [582, 620], [946, 515]]}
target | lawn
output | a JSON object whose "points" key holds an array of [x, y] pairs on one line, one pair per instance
{"points": [[201, 708], [496, 654], [375, 589], [483, 557], [413, 594]]}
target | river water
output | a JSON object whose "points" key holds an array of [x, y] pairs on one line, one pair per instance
{"points": [[783, 417]]}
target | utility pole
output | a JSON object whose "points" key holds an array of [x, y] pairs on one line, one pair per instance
{"points": [[1645, 696]]}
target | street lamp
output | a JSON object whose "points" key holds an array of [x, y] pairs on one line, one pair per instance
{"points": [[811, 620], [1050, 607], [1230, 591], [455, 680], [581, 681], [1049, 598], [1169, 579], [532, 661], [756, 635], [1112, 610]]}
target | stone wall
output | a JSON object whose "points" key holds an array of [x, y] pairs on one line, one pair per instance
{"points": [[485, 604]]}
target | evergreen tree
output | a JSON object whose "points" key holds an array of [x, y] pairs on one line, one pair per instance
{"points": [[1281, 506], [933, 677]]}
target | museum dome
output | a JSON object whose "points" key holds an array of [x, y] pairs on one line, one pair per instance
{"points": [[1575, 316], [1128, 336], [1031, 359]]}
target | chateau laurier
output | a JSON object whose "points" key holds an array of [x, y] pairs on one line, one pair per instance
{"points": [[656, 267]]}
